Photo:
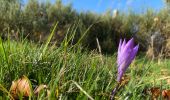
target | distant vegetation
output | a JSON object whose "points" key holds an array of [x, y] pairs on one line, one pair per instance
{"points": [[34, 21]]}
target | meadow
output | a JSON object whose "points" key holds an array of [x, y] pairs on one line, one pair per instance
{"points": [[72, 72], [53, 52]]}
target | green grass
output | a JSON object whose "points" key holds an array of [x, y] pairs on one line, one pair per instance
{"points": [[76, 73]]}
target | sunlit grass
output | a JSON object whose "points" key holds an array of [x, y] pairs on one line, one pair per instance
{"points": [[72, 72], [76, 73]]}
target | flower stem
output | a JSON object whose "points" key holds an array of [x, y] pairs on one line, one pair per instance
{"points": [[114, 92]]}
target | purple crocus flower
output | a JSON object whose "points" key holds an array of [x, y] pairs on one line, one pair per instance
{"points": [[126, 54]]}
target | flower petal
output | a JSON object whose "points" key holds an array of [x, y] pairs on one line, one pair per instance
{"points": [[129, 45], [123, 45], [126, 54], [131, 57], [135, 50], [120, 53], [126, 50]]}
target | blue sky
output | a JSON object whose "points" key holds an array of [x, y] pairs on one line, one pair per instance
{"points": [[100, 6]]}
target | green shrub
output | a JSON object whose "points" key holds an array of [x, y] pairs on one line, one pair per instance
{"points": [[35, 19]]}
